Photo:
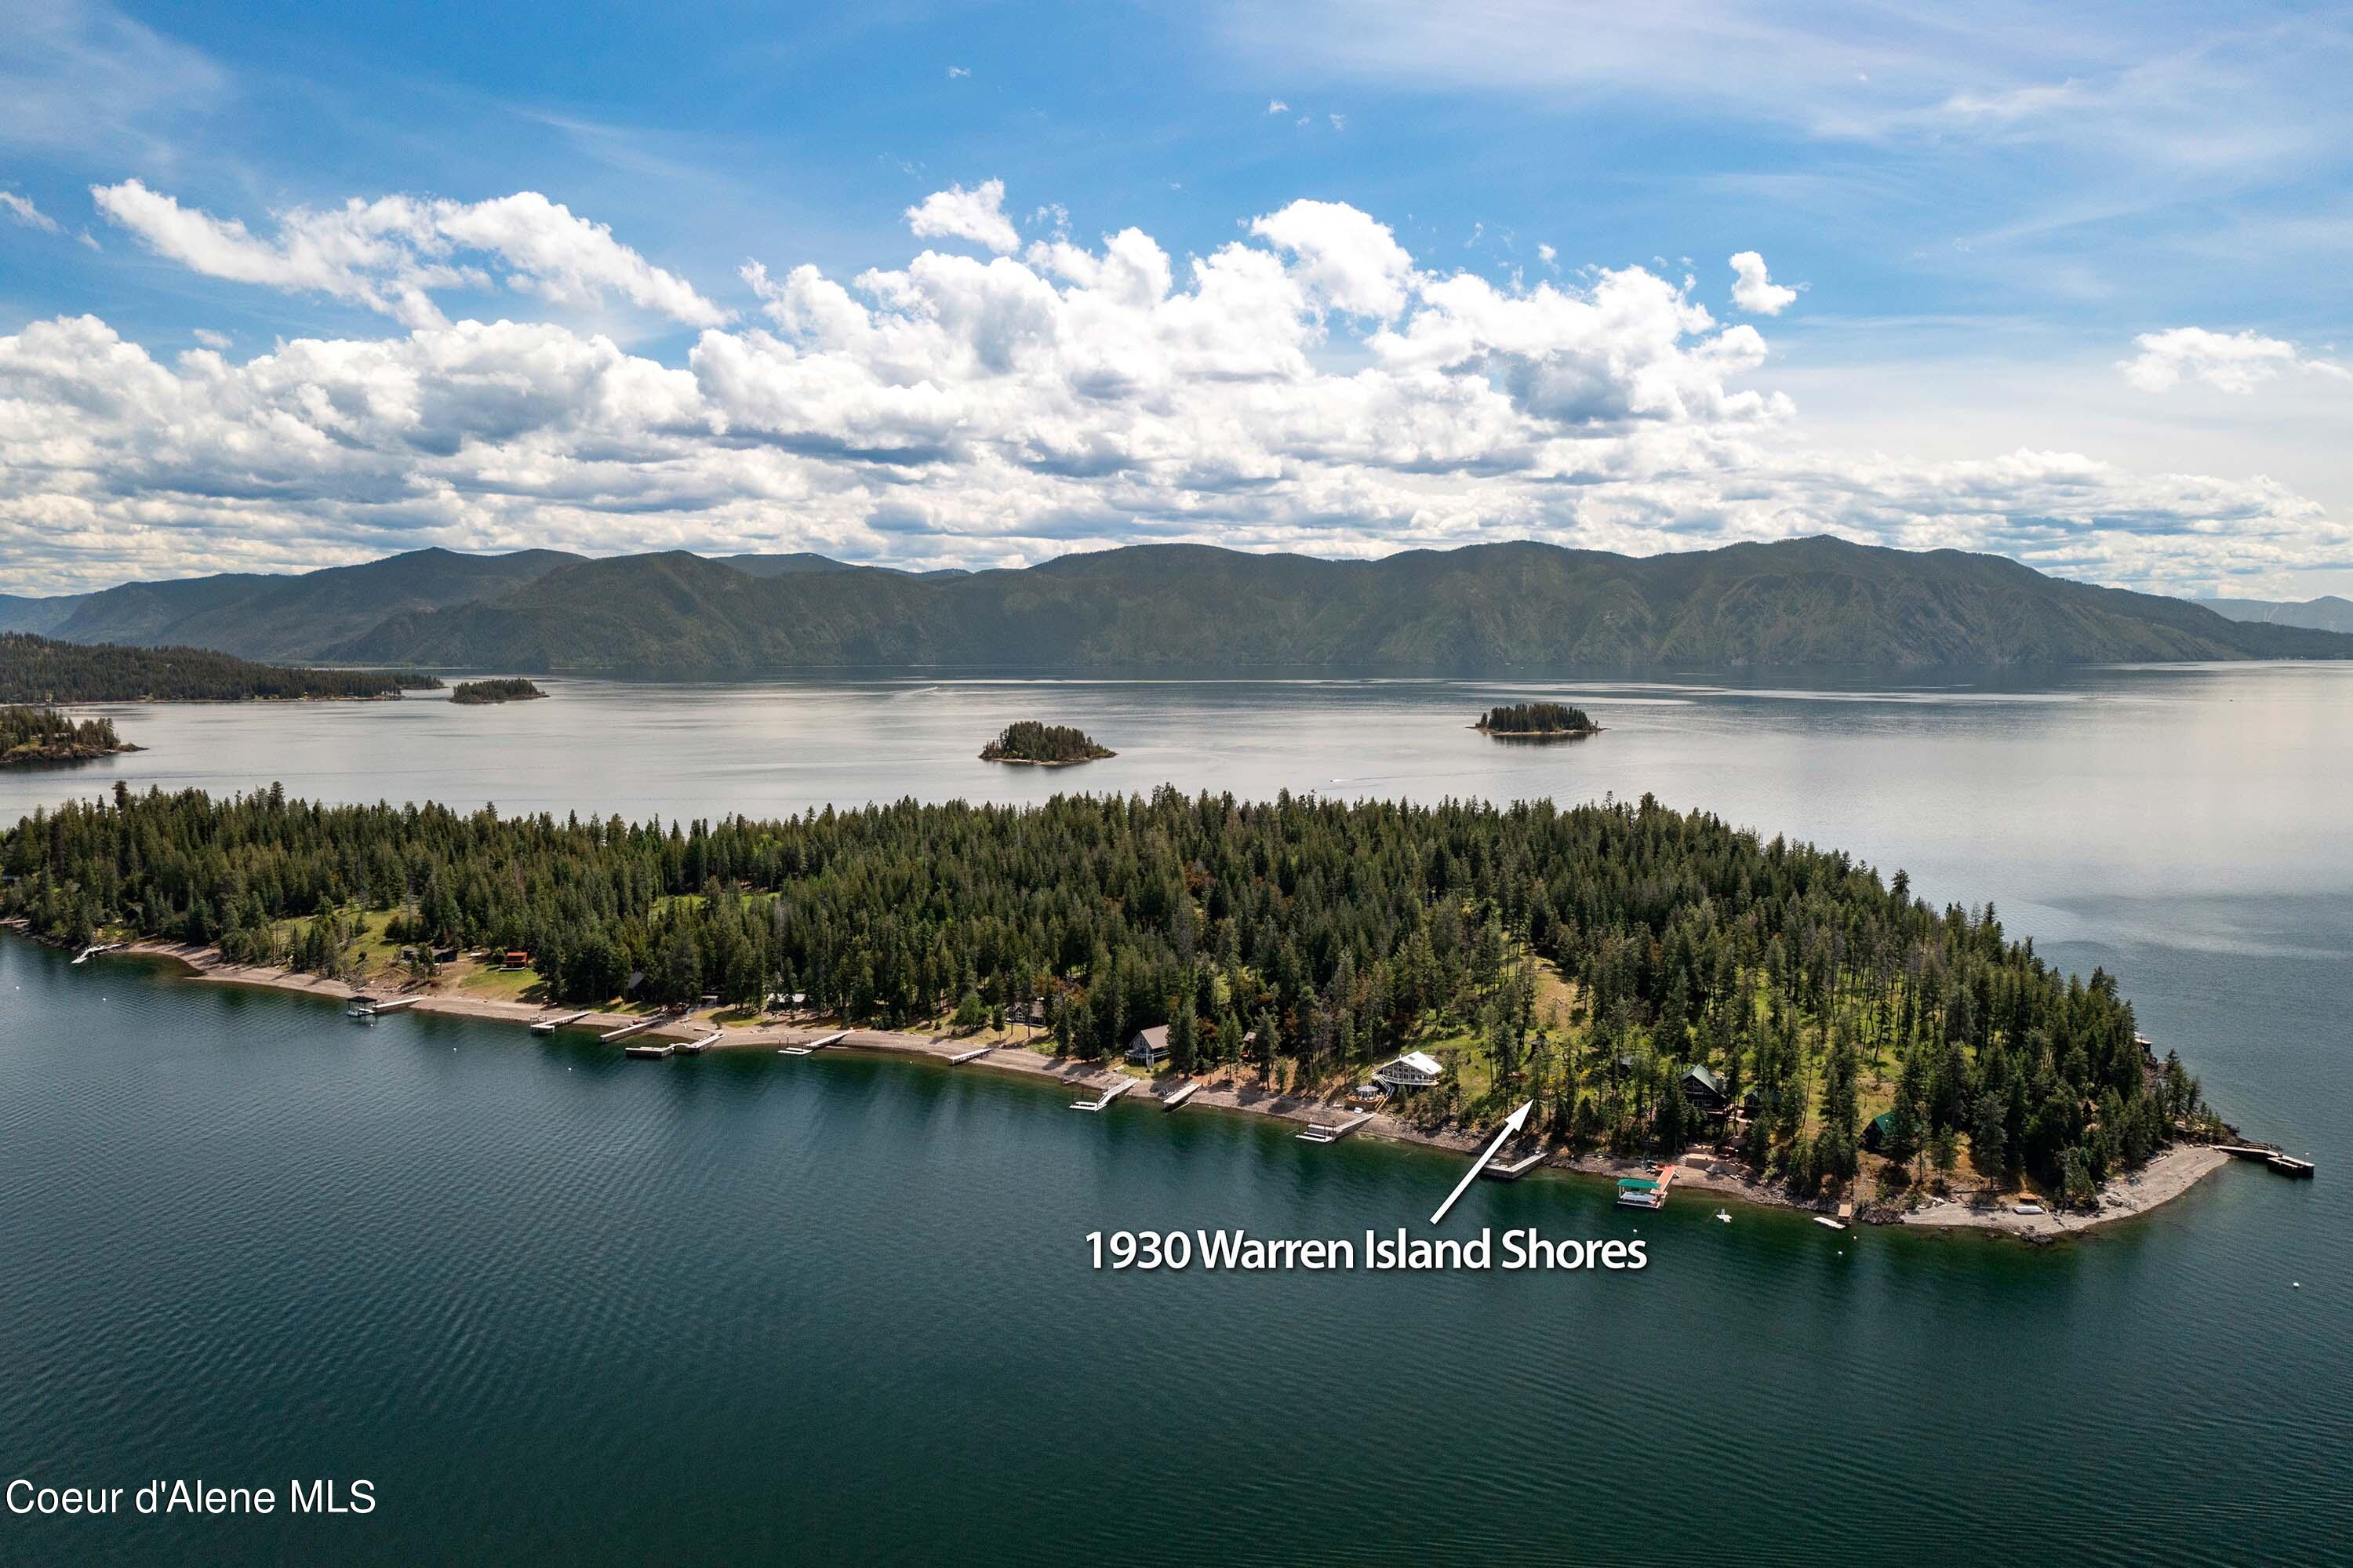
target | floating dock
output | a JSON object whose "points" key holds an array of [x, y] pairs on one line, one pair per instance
{"points": [[813, 1046], [93, 950], [696, 1047], [654, 1050], [970, 1057], [1184, 1092], [550, 1025], [1333, 1131], [1109, 1094], [625, 1029], [1498, 1170]]}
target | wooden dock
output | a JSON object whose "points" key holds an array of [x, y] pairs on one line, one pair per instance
{"points": [[1184, 1092], [970, 1057], [550, 1025], [812, 1047], [1109, 1094], [1333, 1131], [625, 1029], [1646, 1192], [94, 950], [698, 1045], [1498, 1170], [653, 1051]]}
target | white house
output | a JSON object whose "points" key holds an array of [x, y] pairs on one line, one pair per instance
{"points": [[1149, 1047], [1414, 1070]]}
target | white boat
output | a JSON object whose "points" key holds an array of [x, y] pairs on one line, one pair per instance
{"points": [[1725, 1217], [1826, 1220]]}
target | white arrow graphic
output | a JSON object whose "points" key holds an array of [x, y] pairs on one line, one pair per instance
{"points": [[1512, 1123]]}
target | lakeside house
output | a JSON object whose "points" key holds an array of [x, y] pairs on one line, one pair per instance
{"points": [[1704, 1091], [1149, 1047], [1879, 1132], [1414, 1070]]}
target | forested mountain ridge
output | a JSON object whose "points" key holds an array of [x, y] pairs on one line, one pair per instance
{"points": [[1175, 609], [256, 616], [43, 670], [2327, 613]]}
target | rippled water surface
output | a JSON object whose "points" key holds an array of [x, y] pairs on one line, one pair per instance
{"points": [[561, 1307]]}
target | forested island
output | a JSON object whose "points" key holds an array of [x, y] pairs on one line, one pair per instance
{"points": [[40, 670], [1588, 958], [1046, 744], [511, 689], [1537, 720], [39, 735]]}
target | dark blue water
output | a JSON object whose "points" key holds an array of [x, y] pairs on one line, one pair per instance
{"points": [[558, 1307]]}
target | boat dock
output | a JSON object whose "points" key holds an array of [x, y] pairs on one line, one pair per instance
{"points": [[94, 950], [696, 1047], [1498, 1170], [1184, 1092], [374, 1006], [653, 1051], [1331, 1131], [625, 1029], [2278, 1160], [813, 1046], [970, 1057], [550, 1025], [1109, 1094], [1646, 1192]]}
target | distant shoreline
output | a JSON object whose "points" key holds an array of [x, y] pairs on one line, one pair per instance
{"points": [[2171, 1172]]}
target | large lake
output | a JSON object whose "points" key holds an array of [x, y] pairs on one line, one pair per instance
{"points": [[558, 1307]]}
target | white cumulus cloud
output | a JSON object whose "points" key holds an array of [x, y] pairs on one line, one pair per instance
{"points": [[2231, 362], [1753, 291], [978, 215], [393, 254]]}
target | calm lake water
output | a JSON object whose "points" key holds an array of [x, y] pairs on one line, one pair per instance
{"points": [[558, 1307]]}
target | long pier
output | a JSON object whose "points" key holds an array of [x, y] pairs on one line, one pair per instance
{"points": [[813, 1046], [550, 1025], [1109, 1094], [697, 1047], [2279, 1159], [375, 1007], [970, 1057], [1183, 1093], [625, 1029], [1332, 1133]]}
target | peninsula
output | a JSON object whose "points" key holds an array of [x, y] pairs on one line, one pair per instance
{"points": [[511, 689], [41, 670], [1044, 746], [29, 734], [1537, 720], [1653, 981]]}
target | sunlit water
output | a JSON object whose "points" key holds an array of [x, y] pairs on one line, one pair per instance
{"points": [[559, 1306]]}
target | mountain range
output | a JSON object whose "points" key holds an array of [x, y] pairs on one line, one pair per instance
{"points": [[1485, 610], [2327, 613]]}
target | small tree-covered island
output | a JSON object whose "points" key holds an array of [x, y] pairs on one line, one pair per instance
{"points": [[1653, 979], [40, 734], [1537, 720], [1044, 745], [507, 689]]}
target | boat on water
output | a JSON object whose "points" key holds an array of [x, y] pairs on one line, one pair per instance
{"points": [[1836, 1225], [1723, 1216]]}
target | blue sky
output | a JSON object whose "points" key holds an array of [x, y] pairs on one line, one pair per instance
{"points": [[2068, 286]]}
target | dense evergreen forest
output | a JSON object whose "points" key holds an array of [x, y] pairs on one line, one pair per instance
{"points": [[1057, 744], [512, 689], [39, 735], [1581, 955], [1536, 719], [38, 670]]}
